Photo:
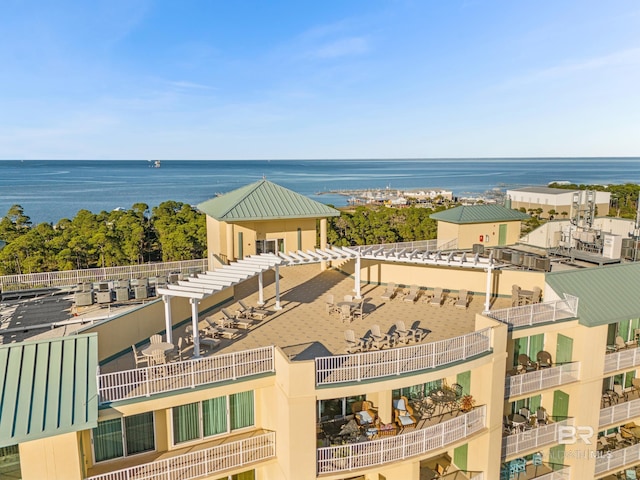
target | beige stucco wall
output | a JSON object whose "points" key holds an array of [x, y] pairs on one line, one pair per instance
{"points": [[469, 234], [52, 458]]}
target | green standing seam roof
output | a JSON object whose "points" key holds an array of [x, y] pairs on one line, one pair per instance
{"points": [[48, 387], [479, 214], [264, 200], [606, 294]]}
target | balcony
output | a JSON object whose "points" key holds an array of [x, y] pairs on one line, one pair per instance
{"points": [[537, 313], [396, 448], [622, 359], [397, 361], [544, 471], [144, 382], [201, 463], [616, 459], [620, 412], [541, 379], [521, 442]]}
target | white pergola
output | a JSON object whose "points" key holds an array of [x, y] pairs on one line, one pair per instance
{"points": [[202, 285]]}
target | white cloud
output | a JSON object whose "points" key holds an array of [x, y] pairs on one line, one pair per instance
{"points": [[342, 47]]}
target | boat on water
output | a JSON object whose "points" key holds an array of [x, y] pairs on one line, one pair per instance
{"points": [[155, 164]]}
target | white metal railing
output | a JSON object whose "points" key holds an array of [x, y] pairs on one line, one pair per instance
{"points": [[200, 463], [477, 476], [615, 459], [396, 448], [536, 313], [562, 474], [541, 379], [623, 359], [428, 245], [396, 361], [533, 438], [619, 413], [144, 382], [73, 277]]}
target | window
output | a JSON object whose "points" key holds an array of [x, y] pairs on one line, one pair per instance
{"points": [[329, 409], [417, 391], [10, 462], [250, 475], [121, 437], [270, 246], [529, 346], [211, 417]]}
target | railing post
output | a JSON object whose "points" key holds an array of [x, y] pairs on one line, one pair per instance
{"points": [[193, 372], [359, 367], [464, 347], [147, 386], [234, 372]]}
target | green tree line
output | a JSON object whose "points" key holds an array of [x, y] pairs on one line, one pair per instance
{"points": [[171, 231], [624, 198]]}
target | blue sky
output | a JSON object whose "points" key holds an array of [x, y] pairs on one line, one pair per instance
{"points": [[210, 79]]}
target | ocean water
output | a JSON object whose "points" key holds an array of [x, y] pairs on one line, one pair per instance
{"points": [[49, 190]]}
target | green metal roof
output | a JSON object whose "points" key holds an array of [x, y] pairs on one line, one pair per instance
{"points": [[48, 387], [605, 294], [264, 200], [479, 214]]}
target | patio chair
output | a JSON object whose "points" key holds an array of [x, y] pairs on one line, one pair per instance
{"points": [[518, 465], [358, 312], [177, 351], [139, 358], [440, 471], [463, 299], [436, 299], [457, 388], [402, 334], [541, 416], [345, 314], [630, 474], [525, 412], [635, 385], [544, 359], [330, 304], [419, 334], [158, 358], [620, 393], [525, 362], [389, 292], [379, 340], [228, 316], [155, 338], [412, 295], [515, 295], [628, 435], [364, 413], [352, 345], [403, 413], [537, 295]]}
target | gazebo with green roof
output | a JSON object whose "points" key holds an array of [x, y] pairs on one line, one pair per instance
{"points": [[489, 225], [263, 217]]}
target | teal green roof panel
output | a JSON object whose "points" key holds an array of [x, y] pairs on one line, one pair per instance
{"points": [[605, 294], [479, 214], [48, 387], [264, 200]]}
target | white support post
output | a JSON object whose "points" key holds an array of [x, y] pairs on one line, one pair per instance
{"points": [[260, 290], [357, 275], [278, 307], [194, 325], [487, 301], [168, 323]]}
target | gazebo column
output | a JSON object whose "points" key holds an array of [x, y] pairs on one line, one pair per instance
{"points": [[278, 307], [230, 251], [323, 240], [260, 290], [168, 323], [357, 275], [487, 299], [194, 324]]}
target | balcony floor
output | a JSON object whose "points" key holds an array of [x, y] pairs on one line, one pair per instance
{"points": [[304, 330]]}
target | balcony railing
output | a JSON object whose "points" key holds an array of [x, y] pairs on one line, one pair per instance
{"points": [[144, 382], [541, 379], [396, 448], [396, 361], [619, 413], [623, 359], [615, 459], [534, 438], [562, 474], [534, 314], [202, 462]]}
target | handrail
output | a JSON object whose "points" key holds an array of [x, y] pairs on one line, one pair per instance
{"points": [[396, 448], [541, 379], [619, 413], [536, 313], [201, 463], [617, 458], [68, 278], [144, 382], [396, 361], [627, 358], [534, 438]]}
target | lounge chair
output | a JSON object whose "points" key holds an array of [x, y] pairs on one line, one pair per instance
{"points": [[544, 359], [412, 296], [436, 299], [379, 340], [389, 292], [463, 299], [214, 330], [364, 412], [228, 317], [252, 312], [403, 413]]}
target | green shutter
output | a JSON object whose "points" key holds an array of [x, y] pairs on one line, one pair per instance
{"points": [[564, 349], [502, 234], [560, 405], [240, 245], [460, 456], [464, 380]]}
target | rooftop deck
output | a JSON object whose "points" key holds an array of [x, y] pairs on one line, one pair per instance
{"points": [[304, 330]]}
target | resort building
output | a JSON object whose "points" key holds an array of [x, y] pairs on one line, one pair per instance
{"points": [[559, 200], [375, 362]]}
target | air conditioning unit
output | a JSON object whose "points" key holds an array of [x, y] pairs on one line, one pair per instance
{"points": [[103, 297], [83, 299], [140, 292], [543, 263], [517, 258], [122, 294]]}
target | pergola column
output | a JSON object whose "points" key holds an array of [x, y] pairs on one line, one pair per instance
{"points": [[260, 290], [357, 275], [194, 324], [323, 240], [230, 251], [168, 323], [487, 300], [278, 307]]}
